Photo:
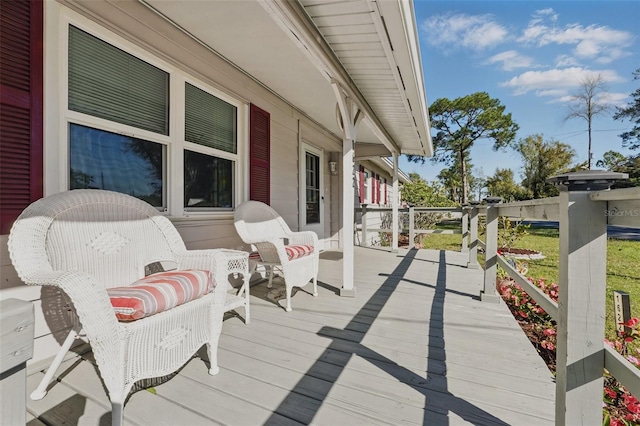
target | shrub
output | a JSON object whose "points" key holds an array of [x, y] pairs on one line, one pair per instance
{"points": [[620, 408]]}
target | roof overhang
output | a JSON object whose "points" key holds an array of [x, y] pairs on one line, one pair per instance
{"points": [[297, 49], [387, 165]]}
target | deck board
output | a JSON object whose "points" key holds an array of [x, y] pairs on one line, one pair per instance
{"points": [[415, 346]]}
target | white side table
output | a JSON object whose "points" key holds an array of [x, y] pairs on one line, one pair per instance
{"points": [[238, 263]]}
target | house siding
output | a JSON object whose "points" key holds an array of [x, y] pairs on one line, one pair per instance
{"points": [[147, 30], [374, 219]]}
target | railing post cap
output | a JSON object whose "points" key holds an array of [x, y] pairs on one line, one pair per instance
{"points": [[493, 200], [587, 180]]}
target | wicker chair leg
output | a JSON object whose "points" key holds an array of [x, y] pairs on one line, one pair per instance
{"points": [[117, 412], [288, 291], [212, 352], [41, 390], [270, 272]]}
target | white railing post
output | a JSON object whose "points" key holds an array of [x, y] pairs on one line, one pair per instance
{"points": [[363, 221], [395, 200], [465, 229], [489, 294], [473, 244], [412, 231], [581, 301]]}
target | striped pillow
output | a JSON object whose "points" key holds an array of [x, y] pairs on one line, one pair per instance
{"points": [[254, 255], [159, 292], [297, 251]]}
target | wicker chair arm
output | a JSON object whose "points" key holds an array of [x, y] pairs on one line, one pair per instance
{"points": [[273, 251], [308, 238], [92, 305], [89, 297]]}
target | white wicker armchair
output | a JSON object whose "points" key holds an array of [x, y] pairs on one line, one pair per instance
{"points": [[262, 226], [85, 241]]}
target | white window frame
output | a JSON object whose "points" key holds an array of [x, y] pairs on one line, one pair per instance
{"points": [[175, 142]]}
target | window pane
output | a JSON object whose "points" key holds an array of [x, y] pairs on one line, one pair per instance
{"points": [[104, 160], [109, 83], [208, 181], [312, 166], [209, 121]]}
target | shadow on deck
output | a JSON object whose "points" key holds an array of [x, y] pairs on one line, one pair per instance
{"points": [[415, 346]]}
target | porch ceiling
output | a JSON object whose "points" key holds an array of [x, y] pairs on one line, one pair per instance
{"points": [[381, 68]]}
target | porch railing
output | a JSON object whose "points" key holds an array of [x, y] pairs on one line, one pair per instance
{"points": [[367, 214], [584, 209]]}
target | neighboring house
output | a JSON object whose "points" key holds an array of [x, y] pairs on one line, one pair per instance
{"points": [[374, 189], [198, 106]]}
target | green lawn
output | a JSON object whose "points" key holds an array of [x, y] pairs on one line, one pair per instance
{"points": [[623, 263]]}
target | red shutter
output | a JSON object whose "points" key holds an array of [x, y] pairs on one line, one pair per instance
{"points": [[386, 194], [21, 71], [259, 155], [361, 186]]}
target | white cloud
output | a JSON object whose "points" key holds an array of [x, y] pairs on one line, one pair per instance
{"points": [[555, 82], [616, 99], [566, 61], [541, 14], [597, 42], [511, 60], [475, 32]]}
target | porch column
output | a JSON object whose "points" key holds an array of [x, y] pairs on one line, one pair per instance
{"points": [[473, 244], [465, 228], [349, 115], [582, 297], [489, 293], [394, 205]]}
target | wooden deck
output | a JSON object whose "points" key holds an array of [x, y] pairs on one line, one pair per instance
{"points": [[416, 346]]}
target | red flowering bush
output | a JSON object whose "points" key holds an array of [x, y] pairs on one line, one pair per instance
{"points": [[539, 326], [620, 408]]}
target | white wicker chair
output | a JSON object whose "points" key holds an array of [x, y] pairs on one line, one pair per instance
{"points": [[85, 241], [262, 226]]}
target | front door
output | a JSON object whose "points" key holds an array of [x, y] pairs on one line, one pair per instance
{"points": [[312, 191]]}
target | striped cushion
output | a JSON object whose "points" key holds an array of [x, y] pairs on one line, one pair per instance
{"points": [[297, 251], [159, 292], [254, 255]]}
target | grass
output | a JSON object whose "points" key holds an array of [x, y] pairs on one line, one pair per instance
{"points": [[623, 264]]}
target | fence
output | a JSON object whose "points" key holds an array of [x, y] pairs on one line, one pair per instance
{"points": [[367, 214], [584, 209]]}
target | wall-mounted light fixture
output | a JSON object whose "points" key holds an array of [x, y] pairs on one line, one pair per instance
{"points": [[333, 166]]}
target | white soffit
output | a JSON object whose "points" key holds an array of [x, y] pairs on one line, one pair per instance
{"points": [[376, 43], [243, 33]]}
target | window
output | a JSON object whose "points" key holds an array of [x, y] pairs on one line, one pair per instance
{"points": [[208, 181], [367, 196], [105, 160], [121, 137]]}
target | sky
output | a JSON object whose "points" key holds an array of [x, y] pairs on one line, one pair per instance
{"points": [[532, 56]]}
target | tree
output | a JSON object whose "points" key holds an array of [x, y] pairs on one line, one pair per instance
{"points": [[612, 161], [502, 184], [450, 178], [616, 162], [587, 102], [631, 139], [541, 160], [479, 184], [463, 121], [419, 192]]}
